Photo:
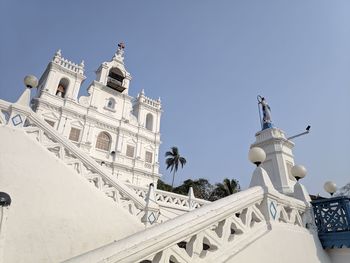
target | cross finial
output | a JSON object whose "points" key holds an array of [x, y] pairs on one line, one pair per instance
{"points": [[121, 45]]}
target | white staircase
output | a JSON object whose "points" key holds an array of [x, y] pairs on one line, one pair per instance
{"points": [[213, 233], [128, 196]]}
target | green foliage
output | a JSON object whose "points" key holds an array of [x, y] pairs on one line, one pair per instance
{"points": [[163, 186], [226, 188], [203, 189]]}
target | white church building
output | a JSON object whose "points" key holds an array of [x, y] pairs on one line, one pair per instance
{"points": [[78, 185], [118, 131]]}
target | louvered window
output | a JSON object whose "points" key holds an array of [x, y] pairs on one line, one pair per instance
{"points": [[130, 151], [103, 141], [148, 157], [74, 134]]}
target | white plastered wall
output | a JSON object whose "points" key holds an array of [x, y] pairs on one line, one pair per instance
{"points": [[287, 244], [55, 214]]}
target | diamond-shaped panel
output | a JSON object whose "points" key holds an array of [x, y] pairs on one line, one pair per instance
{"points": [[152, 218], [17, 120], [273, 210]]}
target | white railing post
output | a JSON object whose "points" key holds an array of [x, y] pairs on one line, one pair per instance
{"points": [[190, 198], [17, 117], [151, 211]]}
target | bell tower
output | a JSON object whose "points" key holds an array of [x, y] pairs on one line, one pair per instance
{"points": [[113, 73], [62, 78], [279, 156]]}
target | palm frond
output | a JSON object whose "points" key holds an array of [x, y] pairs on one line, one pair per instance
{"points": [[175, 150], [168, 153]]}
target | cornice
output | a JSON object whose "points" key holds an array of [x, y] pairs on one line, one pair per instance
{"points": [[56, 66]]}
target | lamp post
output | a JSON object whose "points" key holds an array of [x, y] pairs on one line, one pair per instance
{"points": [[260, 177], [330, 187], [257, 156], [30, 81], [298, 171], [300, 192]]}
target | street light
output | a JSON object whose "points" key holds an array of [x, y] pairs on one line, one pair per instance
{"points": [[298, 171], [330, 187], [257, 155], [30, 81]]}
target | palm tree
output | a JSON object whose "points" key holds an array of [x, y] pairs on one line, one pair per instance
{"points": [[173, 161], [226, 188], [232, 186]]}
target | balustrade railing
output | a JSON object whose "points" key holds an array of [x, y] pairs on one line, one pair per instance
{"points": [[71, 155], [171, 200], [207, 234], [332, 218]]}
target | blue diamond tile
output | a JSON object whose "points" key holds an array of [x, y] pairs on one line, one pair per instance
{"points": [[17, 120], [273, 210]]}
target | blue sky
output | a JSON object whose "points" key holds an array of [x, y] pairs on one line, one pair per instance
{"points": [[207, 60]]}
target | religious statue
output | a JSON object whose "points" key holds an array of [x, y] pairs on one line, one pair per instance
{"points": [[121, 47], [266, 121]]}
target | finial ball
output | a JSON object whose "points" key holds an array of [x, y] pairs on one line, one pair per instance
{"points": [[298, 171], [30, 81], [330, 187], [257, 155]]}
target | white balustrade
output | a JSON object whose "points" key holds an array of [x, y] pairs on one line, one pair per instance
{"points": [[83, 164], [169, 199], [207, 234]]}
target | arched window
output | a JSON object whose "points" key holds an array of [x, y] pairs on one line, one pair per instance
{"points": [[115, 80], [111, 103], [103, 141], [149, 121], [62, 87]]}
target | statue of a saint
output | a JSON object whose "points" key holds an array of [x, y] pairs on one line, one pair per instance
{"points": [[266, 121], [120, 50]]}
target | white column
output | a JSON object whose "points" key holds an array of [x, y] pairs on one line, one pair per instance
{"points": [[279, 158]]}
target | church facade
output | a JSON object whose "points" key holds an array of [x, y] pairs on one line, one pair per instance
{"points": [[120, 132]]}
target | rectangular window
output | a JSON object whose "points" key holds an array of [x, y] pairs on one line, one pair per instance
{"points": [[148, 157], [51, 123], [74, 134], [130, 150]]}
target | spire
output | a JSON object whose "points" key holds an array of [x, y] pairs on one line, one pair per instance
{"points": [[57, 56]]}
